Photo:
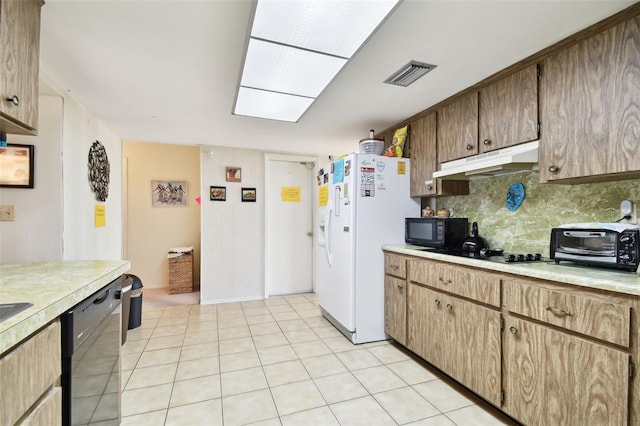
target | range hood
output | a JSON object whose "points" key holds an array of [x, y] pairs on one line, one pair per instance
{"points": [[500, 162]]}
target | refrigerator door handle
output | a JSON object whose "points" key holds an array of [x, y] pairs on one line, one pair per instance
{"points": [[328, 236]]}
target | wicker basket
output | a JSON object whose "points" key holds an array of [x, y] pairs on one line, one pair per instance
{"points": [[181, 272]]}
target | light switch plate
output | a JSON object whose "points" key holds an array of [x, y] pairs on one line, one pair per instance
{"points": [[7, 212]]}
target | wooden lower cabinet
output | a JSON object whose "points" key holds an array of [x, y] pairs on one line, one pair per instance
{"points": [[29, 380], [554, 378], [395, 308], [459, 337], [546, 353]]}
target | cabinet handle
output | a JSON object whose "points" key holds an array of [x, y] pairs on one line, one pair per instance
{"points": [[437, 302], [487, 142], [449, 306], [553, 169], [469, 147], [513, 330], [442, 280], [399, 287], [394, 267], [430, 187], [14, 100], [558, 311]]}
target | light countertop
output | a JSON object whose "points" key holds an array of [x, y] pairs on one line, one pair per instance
{"points": [[52, 288], [565, 272]]}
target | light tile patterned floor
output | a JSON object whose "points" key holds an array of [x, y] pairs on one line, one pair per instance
{"points": [[278, 362]]}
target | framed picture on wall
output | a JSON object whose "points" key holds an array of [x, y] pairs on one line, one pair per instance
{"points": [[16, 166], [218, 193], [169, 193], [234, 174], [248, 194]]}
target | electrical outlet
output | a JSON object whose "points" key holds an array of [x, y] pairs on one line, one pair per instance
{"points": [[7, 213], [628, 208]]}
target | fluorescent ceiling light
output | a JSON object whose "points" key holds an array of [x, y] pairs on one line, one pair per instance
{"points": [[297, 48], [334, 27], [286, 69], [271, 105]]}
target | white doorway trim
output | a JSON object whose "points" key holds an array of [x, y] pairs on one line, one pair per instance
{"points": [[267, 179]]}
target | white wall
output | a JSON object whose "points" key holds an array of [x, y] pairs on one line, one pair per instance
{"points": [[36, 233], [232, 246], [82, 239]]}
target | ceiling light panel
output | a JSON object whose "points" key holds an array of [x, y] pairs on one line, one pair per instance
{"points": [[285, 69], [333, 27], [274, 106]]}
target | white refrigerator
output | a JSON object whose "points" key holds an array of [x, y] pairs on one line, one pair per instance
{"points": [[362, 202]]}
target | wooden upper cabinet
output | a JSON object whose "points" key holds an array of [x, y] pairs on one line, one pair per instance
{"points": [[509, 110], [19, 65], [457, 132], [590, 108], [423, 156], [424, 162]]}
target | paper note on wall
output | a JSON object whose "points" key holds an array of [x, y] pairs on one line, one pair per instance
{"points": [[100, 216], [402, 167], [291, 194], [323, 195]]}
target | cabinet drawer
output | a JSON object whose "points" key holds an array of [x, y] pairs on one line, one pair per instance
{"points": [[28, 371], [465, 282], [395, 265], [48, 411], [599, 316]]}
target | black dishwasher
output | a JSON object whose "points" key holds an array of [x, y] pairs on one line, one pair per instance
{"points": [[91, 341]]}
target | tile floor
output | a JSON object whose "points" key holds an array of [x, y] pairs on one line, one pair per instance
{"points": [[278, 362]]}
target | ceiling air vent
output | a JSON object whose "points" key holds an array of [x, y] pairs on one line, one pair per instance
{"points": [[409, 73]]}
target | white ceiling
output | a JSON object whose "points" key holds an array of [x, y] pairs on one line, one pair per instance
{"points": [[167, 70]]}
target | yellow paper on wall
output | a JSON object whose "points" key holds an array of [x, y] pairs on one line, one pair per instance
{"points": [[402, 167], [291, 194], [100, 216], [323, 195]]}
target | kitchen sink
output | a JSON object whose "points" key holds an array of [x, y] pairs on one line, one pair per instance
{"points": [[7, 310]]}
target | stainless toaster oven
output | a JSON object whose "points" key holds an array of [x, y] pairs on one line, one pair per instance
{"points": [[614, 245]]}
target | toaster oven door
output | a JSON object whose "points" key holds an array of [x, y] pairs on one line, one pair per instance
{"points": [[585, 245]]}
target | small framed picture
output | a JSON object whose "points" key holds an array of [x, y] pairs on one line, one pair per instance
{"points": [[248, 194], [218, 193], [234, 174], [16, 166]]}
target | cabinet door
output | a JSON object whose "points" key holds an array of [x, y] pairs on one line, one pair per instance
{"points": [[423, 156], [589, 107], [552, 378], [395, 308], [458, 129], [473, 354], [509, 110], [425, 324], [19, 61]]}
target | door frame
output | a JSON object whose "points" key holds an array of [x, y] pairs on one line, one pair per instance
{"points": [[267, 179]]}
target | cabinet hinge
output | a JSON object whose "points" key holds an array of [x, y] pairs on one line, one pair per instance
{"points": [[632, 369], [538, 71], [539, 129], [502, 323], [502, 396]]}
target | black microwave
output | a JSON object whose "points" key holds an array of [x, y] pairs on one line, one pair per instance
{"points": [[436, 232]]}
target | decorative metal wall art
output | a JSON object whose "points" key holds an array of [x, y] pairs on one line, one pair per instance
{"points": [[99, 170]]}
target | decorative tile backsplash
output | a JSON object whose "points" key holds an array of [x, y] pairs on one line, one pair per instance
{"points": [[545, 206]]}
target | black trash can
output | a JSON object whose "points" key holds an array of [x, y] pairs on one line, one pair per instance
{"points": [[135, 313], [125, 296]]}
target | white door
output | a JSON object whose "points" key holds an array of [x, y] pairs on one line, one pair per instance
{"points": [[289, 217]]}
